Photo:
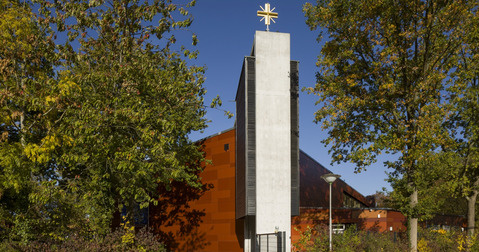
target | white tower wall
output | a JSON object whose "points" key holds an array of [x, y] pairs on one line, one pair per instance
{"points": [[273, 133]]}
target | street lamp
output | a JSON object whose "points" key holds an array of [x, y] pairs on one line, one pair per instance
{"points": [[330, 178]]}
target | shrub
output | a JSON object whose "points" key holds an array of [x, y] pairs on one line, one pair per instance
{"points": [[143, 240], [442, 240], [317, 239]]}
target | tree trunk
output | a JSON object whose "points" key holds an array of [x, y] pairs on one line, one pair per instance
{"points": [[471, 212], [22, 115], [413, 222]]}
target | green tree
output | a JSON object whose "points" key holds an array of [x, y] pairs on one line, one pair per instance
{"points": [[435, 183], [383, 70], [32, 205], [464, 124], [96, 104], [132, 101]]}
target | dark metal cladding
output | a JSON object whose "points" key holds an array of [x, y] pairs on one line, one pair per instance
{"points": [[241, 146], [246, 141], [251, 137], [294, 79]]}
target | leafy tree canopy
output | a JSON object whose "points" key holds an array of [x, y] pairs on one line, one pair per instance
{"points": [[97, 100], [382, 83]]}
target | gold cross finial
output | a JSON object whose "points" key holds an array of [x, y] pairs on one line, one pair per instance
{"points": [[267, 15]]}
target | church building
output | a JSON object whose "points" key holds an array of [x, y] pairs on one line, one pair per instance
{"points": [[259, 189]]}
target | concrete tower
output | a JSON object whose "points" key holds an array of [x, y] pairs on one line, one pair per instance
{"points": [[267, 178]]}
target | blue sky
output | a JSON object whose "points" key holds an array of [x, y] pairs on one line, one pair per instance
{"points": [[225, 30]]}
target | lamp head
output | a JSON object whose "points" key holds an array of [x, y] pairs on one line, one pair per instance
{"points": [[330, 177]]}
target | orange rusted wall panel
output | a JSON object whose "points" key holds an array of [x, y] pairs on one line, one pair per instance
{"points": [[215, 227], [364, 219]]}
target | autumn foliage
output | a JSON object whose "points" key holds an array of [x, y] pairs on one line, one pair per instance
{"points": [[97, 99]]}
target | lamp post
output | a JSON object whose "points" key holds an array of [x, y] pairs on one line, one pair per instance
{"points": [[330, 178]]}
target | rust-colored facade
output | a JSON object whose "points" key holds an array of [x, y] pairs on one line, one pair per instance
{"points": [[207, 222], [378, 220]]}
